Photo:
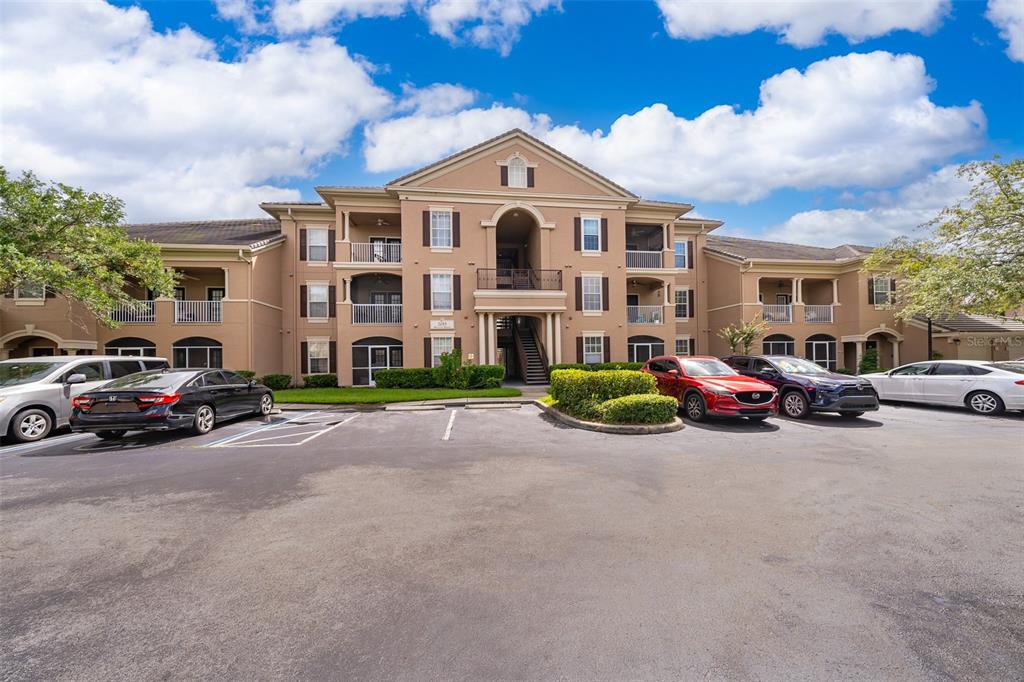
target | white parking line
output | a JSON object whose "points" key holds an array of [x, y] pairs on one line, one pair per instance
{"points": [[264, 427], [305, 436], [448, 429], [17, 449]]}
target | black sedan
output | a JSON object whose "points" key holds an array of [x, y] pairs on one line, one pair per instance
{"points": [[168, 399]]}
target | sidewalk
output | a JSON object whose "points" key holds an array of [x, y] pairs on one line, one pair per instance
{"points": [[530, 393]]}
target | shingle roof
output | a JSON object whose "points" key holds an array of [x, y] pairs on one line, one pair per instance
{"points": [[739, 247], [231, 232], [977, 323]]}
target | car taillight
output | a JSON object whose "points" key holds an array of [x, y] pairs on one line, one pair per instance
{"points": [[1019, 383], [163, 399], [81, 402]]}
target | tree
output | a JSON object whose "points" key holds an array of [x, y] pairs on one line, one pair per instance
{"points": [[868, 362], [741, 337], [72, 241], [972, 260]]}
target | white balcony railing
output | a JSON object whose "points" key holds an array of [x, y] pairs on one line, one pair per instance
{"points": [[777, 313], [142, 312], [376, 313], [818, 314], [197, 312], [376, 253], [643, 259], [645, 314]]}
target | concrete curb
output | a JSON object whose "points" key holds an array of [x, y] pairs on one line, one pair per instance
{"points": [[376, 407], [619, 429]]}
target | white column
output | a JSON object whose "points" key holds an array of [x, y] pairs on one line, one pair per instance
{"points": [[896, 353], [344, 226], [492, 344], [226, 292], [482, 346], [549, 335], [835, 291], [860, 352], [346, 285], [558, 338], [794, 291]]}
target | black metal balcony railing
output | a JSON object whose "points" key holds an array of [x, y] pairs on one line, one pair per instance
{"points": [[515, 278]]}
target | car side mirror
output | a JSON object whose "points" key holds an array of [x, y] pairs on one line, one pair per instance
{"points": [[75, 379], [252, 383], [673, 372]]}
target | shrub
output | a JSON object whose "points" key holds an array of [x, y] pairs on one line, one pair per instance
{"points": [[639, 409], [580, 392], [412, 377], [247, 373], [868, 362], [843, 370], [450, 373], [598, 366], [570, 365], [320, 381], [485, 376], [276, 382]]}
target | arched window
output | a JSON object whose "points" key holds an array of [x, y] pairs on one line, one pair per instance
{"points": [[516, 172], [130, 345], [778, 344], [821, 348], [199, 352], [372, 354], [643, 348]]}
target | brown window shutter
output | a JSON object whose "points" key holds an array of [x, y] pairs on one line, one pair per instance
{"points": [[579, 293], [689, 255], [426, 291], [48, 292], [577, 232], [892, 285], [458, 342], [504, 176], [302, 245], [604, 234], [331, 246], [303, 358], [426, 228], [529, 177], [302, 301], [457, 292], [871, 290], [604, 293], [607, 349], [689, 304], [579, 349], [332, 357], [332, 301], [426, 351], [456, 229]]}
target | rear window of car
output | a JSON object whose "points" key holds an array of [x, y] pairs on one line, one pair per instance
{"points": [[122, 368], [154, 364], [1015, 367], [741, 363], [949, 369], [148, 381]]}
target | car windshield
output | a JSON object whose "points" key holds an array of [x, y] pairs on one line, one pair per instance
{"points": [[798, 365], [148, 381], [17, 373], [1015, 367], [706, 368]]}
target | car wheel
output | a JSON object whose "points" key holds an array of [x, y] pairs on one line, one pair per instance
{"points": [[31, 425], [851, 415], [794, 404], [111, 435], [985, 402], [266, 404], [203, 422], [695, 408]]}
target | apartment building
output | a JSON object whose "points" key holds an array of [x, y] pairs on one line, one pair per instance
{"points": [[509, 250]]}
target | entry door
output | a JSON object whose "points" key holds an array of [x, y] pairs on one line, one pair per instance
{"points": [[379, 359], [632, 299]]}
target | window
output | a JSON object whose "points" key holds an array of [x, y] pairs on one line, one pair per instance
{"points": [[517, 173], [642, 348], [591, 229], [214, 379], [30, 292], [778, 344], [758, 365], [441, 229], [682, 303], [236, 379], [138, 350], [593, 349], [949, 369], [680, 248], [821, 348], [882, 291], [179, 293], [439, 345], [122, 368], [316, 245], [441, 292], [198, 352], [592, 294], [317, 301], [319, 357], [911, 370], [93, 371], [683, 346]]}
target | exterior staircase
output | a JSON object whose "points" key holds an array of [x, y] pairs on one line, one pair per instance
{"points": [[531, 359]]}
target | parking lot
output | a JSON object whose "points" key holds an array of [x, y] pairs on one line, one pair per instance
{"points": [[495, 544]]}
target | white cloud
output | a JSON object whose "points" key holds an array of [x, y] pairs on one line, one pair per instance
{"points": [[93, 96], [889, 214], [486, 23], [292, 17], [801, 23], [857, 120], [1008, 17], [439, 98]]}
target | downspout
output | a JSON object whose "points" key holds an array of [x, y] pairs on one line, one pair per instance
{"points": [[296, 360], [696, 298], [248, 303]]}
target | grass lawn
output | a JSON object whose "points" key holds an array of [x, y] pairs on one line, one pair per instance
{"points": [[369, 396]]}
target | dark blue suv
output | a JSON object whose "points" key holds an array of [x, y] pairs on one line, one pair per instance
{"points": [[806, 387]]}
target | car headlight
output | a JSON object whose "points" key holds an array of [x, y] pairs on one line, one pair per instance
{"points": [[824, 384], [717, 390]]}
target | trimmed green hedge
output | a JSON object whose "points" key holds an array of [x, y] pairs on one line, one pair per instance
{"points": [[599, 366], [276, 382], [639, 409], [320, 381], [247, 373], [477, 376], [580, 392], [485, 376]]}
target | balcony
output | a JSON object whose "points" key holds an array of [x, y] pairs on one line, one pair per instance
{"points": [[377, 313], [777, 313], [519, 279], [197, 312], [377, 252], [818, 314], [645, 314], [140, 312], [643, 259]]}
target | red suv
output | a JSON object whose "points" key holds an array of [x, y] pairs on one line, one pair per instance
{"points": [[706, 386]]}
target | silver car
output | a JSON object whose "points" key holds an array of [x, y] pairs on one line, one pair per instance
{"points": [[36, 393]]}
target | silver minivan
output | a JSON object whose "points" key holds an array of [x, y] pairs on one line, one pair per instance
{"points": [[36, 393]]}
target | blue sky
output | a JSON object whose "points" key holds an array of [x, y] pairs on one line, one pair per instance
{"points": [[949, 89]]}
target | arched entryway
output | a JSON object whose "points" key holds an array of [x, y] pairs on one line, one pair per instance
{"points": [[197, 351], [886, 344], [517, 259], [372, 354], [778, 344], [130, 345], [643, 348], [821, 348], [31, 346]]}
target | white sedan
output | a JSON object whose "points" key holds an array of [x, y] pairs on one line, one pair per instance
{"points": [[984, 387]]}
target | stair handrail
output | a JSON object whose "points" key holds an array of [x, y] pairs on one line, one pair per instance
{"points": [[521, 354]]}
